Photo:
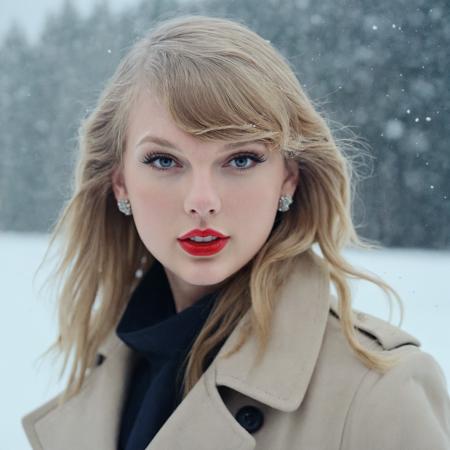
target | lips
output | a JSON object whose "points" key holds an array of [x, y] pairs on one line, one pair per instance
{"points": [[203, 248], [202, 233]]}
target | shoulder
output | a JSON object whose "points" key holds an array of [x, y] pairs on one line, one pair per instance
{"points": [[373, 333], [406, 407], [376, 332]]}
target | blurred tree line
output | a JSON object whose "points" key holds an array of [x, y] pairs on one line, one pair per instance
{"points": [[379, 67]]}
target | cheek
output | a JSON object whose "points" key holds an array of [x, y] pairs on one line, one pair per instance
{"points": [[257, 195], [254, 206], [153, 205]]}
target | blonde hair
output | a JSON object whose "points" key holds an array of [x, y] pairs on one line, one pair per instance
{"points": [[248, 91]]}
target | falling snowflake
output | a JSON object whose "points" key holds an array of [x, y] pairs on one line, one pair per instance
{"points": [[394, 129]]}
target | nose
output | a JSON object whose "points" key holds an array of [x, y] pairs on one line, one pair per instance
{"points": [[202, 198]]}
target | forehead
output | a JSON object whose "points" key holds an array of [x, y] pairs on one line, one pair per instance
{"points": [[150, 121], [150, 117], [147, 113]]}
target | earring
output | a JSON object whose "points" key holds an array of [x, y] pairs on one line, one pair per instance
{"points": [[284, 203], [124, 206]]}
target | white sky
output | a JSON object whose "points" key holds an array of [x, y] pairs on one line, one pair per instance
{"points": [[31, 14]]}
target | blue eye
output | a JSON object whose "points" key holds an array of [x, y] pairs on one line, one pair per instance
{"points": [[165, 160], [150, 158], [244, 158]]}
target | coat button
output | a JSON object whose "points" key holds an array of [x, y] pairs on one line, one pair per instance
{"points": [[251, 418], [99, 359]]}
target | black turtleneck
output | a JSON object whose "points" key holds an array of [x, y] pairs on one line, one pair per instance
{"points": [[161, 337]]}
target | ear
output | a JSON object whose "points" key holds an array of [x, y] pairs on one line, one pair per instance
{"points": [[291, 177], [118, 183]]}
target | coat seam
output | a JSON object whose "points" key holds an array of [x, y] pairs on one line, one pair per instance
{"points": [[351, 406]]}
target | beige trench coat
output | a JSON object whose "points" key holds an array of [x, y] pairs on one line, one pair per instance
{"points": [[310, 391]]}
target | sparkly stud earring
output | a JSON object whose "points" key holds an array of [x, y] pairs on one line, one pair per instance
{"points": [[284, 203], [124, 206]]}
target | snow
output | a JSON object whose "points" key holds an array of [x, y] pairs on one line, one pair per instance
{"points": [[29, 324], [394, 129]]}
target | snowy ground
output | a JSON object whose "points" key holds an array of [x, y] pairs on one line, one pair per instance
{"points": [[28, 325]]}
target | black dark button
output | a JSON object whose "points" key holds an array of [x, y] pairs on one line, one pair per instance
{"points": [[99, 359], [250, 417]]}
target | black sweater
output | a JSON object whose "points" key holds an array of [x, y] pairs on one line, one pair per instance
{"points": [[161, 338]]}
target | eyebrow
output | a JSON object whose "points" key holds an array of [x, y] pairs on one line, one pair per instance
{"points": [[168, 144]]}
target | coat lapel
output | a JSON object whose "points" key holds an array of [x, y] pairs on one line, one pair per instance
{"points": [[202, 420], [281, 379], [89, 419]]}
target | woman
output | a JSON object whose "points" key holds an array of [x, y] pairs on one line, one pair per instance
{"points": [[197, 312]]}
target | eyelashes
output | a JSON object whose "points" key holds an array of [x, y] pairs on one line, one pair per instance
{"points": [[152, 157]]}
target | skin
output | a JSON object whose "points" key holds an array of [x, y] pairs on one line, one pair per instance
{"points": [[204, 186]]}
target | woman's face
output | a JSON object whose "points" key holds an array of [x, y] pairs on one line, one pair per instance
{"points": [[198, 185]]}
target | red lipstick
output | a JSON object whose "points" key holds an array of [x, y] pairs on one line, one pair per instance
{"points": [[203, 248]]}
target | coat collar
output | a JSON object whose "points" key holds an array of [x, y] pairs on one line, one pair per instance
{"points": [[280, 380], [300, 317]]}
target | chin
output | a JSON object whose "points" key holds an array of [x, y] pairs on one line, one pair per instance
{"points": [[203, 279]]}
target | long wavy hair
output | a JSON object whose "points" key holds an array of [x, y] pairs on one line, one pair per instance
{"points": [[219, 80]]}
